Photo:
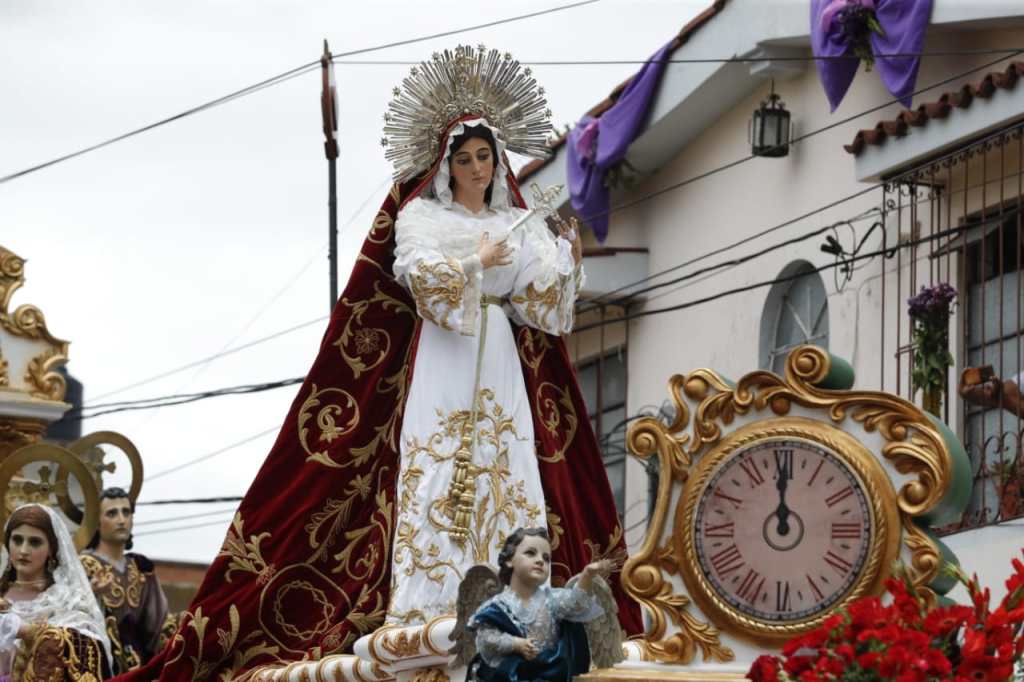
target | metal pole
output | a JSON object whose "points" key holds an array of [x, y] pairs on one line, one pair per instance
{"points": [[328, 108]]}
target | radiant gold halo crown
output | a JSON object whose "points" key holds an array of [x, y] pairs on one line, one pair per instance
{"points": [[456, 83]]}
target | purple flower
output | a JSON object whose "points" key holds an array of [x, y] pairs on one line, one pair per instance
{"points": [[934, 300]]}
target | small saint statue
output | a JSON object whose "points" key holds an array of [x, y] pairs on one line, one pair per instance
{"points": [[513, 626], [126, 586]]}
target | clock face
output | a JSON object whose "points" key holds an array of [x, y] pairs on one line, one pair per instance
{"points": [[782, 530]]}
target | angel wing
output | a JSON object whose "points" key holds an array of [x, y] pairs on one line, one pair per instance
{"points": [[604, 635], [480, 584]]}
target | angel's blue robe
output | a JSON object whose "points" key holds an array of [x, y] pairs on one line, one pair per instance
{"points": [[569, 656]]}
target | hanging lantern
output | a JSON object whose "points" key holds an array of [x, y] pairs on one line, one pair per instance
{"points": [[770, 128]]}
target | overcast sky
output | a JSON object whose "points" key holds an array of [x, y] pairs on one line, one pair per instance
{"points": [[211, 232]]}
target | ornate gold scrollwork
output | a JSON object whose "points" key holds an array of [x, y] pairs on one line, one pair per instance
{"points": [[383, 224], [913, 445], [642, 576], [5, 380], [45, 488], [335, 419], [27, 321], [552, 416], [363, 347]]}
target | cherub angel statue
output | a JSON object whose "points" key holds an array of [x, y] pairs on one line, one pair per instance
{"points": [[513, 627]]}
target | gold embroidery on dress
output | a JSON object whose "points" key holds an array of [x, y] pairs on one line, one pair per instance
{"points": [[501, 498], [438, 289], [429, 561], [539, 305], [112, 591]]}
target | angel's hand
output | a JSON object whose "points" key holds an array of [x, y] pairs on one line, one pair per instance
{"points": [[603, 568], [527, 648]]}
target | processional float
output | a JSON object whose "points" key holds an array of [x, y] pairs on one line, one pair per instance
{"points": [[781, 499]]}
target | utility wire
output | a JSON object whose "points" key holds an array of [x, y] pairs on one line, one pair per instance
{"points": [[183, 518], [629, 204], [196, 363], [211, 455], [219, 522], [279, 78], [195, 500], [181, 399], [708, 60], [953, 231]]}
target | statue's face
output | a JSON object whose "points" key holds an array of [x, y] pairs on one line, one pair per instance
{"points": [[29, 550], [472, 167], [116, 520], [531, 564]]}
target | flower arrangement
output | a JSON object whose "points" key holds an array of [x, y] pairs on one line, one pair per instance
{"points": [[909, 640], [930, 311], [853, 22]]}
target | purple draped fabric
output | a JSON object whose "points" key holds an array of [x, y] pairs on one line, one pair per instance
{"points": [[597, 144], [903, 22]]}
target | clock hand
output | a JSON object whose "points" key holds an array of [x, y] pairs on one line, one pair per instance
{"points": [[782, 511]]}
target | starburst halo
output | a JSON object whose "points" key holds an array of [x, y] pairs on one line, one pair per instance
{"points": [[455, 83]]}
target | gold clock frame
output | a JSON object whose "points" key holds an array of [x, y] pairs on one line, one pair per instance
{"points": [[911, 443], [884, 543]]}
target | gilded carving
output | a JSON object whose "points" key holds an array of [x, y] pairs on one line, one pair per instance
{"points": [[402, 645], [4, 378], [913, 445], [27, 321], [42, 377], [430, 675], [552, 416]]}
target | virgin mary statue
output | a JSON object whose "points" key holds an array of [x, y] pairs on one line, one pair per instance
{"points": [[441, 412]]}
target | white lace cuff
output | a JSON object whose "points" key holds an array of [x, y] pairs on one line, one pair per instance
{"points": [[564, 262], [10, 623]]}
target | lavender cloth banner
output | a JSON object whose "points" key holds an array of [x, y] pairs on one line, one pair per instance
{"points": [[903, 22], [597, 144]]}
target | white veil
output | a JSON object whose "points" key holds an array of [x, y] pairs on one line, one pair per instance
{"points": [[499, 190], [69, 602]]}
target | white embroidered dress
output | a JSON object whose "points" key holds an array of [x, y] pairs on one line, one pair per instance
{"points": [[435, 258]]}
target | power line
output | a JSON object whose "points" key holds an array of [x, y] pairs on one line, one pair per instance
{"points": [[629, 204], [211, 455], [779, 280], [180, 399], [708, 60], [189, 527], [182, 518], [195, 500], [274, 80], [190, 365]]}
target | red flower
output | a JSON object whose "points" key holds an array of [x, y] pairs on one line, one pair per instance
{"points": [[765, 669], [984, 669], [945, 619]]}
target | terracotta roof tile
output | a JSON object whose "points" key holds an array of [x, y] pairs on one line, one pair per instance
{"points": [[939, 109], [604, 105]]}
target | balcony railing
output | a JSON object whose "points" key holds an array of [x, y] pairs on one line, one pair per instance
{"points": [[958, 219]]}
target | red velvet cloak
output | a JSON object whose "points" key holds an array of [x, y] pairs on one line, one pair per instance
{"points": [[305, 569]]}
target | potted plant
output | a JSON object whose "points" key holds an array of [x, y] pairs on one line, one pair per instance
{"points": [[930, 311]]}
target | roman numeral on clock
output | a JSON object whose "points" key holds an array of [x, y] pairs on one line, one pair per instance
{"points": [[722, 530], [749, 467], [814, 588], [750, 588], [727, 560], [784, 463], [736, 502], [838, 496], [846, 531], [837, 562], [782, 596]]}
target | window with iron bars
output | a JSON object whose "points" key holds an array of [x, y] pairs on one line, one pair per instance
{"points": [[958, 219]]}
